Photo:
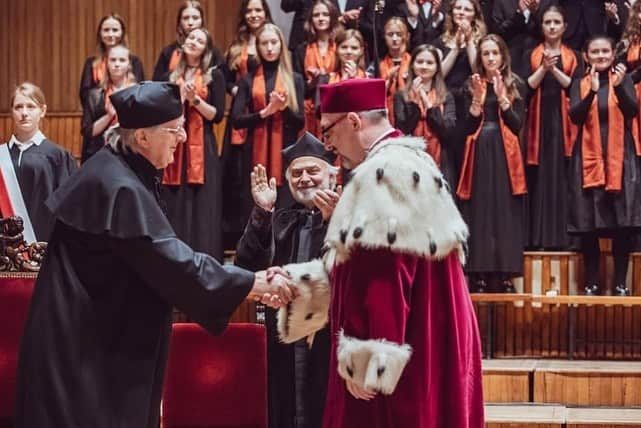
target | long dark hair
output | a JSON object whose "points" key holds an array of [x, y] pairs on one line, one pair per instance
{"points": [[310, 31], [243, 33], [438, 81], [101, 49], [204, 63], [511, 80], [180, 32]]}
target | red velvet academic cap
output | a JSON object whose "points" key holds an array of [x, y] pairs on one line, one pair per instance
{"points": [[353, 95]]}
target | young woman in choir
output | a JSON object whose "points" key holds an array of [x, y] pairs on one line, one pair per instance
{"points": [[425, 108], [98, 114], [350, 57], [550, 134], [191, 15], [395, 65], [192, 183], [269, 104], [605, 168], [464, 27], [40, 165], [111, 32], [241, 58], [317, 57], [492, 179]]}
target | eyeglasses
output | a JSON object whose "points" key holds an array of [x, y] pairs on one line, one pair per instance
{"points": [[179, 129], [325, 130]]}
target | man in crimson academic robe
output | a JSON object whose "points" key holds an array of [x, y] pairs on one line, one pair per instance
{"points": [[96, 339], [405, 348]]}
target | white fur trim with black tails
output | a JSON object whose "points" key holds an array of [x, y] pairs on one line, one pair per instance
{"points": [[398, 199], [375, 365], [309, 312]]}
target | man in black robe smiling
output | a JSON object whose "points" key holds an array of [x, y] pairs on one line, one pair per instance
{"points": [[96, 339]]}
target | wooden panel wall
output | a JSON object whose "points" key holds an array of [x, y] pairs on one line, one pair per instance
{"points": [[47, 42]]}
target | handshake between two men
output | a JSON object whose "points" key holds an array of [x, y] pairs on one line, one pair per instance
{"points": [[273, 287]]}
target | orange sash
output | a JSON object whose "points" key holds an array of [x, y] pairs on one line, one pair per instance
{"points": [[268, 141], [384, 68], [423, 130], [195, 142], [513, 157], [314, 59], [634, 56], [570, 131], [239, 136], [175, 59], [598, 171], [98, 70], [335, 76]]}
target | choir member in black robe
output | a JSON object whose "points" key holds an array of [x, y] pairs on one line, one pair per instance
{"points": [[317, 56], [111, 32], [269, 104], [605, 167], [192, 184], [98, 114], [297, 374], [190, 15], [97, 335], [41, 166], [492, 180], [587, 18], [241, 58], [426, 109], [349, 16], [550, 135], [464, 26], [425, 20]]}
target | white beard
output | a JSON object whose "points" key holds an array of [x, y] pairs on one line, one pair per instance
{"points": [[306, 196]]}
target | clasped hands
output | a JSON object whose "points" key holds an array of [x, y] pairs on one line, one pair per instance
{"points": [[273, 287], [277, 102]]}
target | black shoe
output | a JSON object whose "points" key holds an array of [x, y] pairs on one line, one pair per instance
{"points": [[592, 290], [508, 287], [621, 290], [480, 286]]}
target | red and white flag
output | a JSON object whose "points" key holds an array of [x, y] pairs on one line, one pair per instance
{"points": [[11, 200]]}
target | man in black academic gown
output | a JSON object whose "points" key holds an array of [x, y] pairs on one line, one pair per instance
{"points": [[297, 374], [96, 340]]}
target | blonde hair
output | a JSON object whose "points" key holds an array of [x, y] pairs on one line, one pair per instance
{"points": [[31, 91], [203, 65], [106, 78], [479, 28], [345, 35], [395, 20], [284, 64]]}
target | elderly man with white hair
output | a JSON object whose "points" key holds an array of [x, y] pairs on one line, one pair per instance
{"points": [[297, 373], [96, 340]]}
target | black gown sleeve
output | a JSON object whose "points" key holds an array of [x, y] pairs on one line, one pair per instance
{"points": [[193, 282], [216, 94], [89, 115], [507, 24], [292, 5], [162, 64], [579, 107], [86, 80], [514, 117], [627, 97], [256, 248], [469, 123], [443, 123], [299, 58], [240, 115], [137, 69], [406, 114]]}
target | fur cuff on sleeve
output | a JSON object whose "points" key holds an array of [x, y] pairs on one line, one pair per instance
{"points": [[308, 313], [376, 365]]}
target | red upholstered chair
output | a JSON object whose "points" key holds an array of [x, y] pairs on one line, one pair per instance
{"points": [[216, 381], [15, 295]]}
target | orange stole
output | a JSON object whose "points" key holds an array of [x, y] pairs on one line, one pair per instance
{"points": [[99, 70], [634, 56], [335, 76], [314, 59], [570, 131], [175, 59], [268, 143], [597, 171], [384, 68], [195, 128], [515, 167], [239, 136], [423, 130]]}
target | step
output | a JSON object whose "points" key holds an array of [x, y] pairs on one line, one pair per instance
{"points": [[517, 416], [508, 381], [588, 383], [610, 417]]}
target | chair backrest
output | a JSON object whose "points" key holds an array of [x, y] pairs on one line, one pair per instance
{"points": [[216, 381], [15, 296]]}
